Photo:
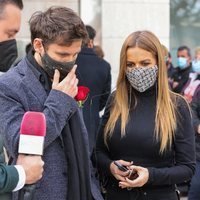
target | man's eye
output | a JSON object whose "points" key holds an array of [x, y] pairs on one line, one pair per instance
{"points": [[62, 55], [75, 55], [10, 36]]}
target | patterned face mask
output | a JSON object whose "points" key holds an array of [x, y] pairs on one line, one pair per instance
{"points": [[142, 78]]}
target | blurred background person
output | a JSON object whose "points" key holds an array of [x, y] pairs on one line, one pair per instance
{"points": [[94, 73], [194, 78], [99, 51], [169, 65], [183, 69], [194, 192], [194, 94]]}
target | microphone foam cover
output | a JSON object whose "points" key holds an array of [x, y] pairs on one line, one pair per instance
{"points": [[33, 123]]}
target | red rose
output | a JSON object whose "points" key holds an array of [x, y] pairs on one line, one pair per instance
{"points": [[82, 95]]}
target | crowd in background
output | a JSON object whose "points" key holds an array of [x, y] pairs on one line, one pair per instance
{"points": [[184, 78]]}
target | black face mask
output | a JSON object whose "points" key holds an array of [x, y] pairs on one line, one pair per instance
{"points": [[50, 65], [8, 54]]}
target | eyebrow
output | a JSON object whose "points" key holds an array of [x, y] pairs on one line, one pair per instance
{"points": [[147, 59]]}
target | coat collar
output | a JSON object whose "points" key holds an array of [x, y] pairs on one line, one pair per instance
{"points": [[30, 80], [86, 50]]}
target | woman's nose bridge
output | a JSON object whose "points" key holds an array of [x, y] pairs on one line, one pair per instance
{"points": [[137, 65]]}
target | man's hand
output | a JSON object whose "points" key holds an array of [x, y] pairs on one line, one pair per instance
{"points": [[33, 167], [68, 85]]}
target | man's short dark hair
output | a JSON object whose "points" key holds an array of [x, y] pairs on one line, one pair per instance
{"points": [[91, 32], [59, 25], [3, 3], [184, 47]]}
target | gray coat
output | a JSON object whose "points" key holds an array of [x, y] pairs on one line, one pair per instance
{"points": [[21, 91]]}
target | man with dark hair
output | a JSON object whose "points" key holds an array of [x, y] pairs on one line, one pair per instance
{"points": [[93, 72], [45, 81], [29, 168], [181, 74], [91, 35], [178, 81]]}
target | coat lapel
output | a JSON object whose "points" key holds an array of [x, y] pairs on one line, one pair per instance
{"points": [[31, 81]]}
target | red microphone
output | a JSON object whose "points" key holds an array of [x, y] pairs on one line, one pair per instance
{"points": [[32, 133], [31, 141]]}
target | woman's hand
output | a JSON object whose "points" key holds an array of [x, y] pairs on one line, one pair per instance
{"points": [[143, 176], [117, 173]]}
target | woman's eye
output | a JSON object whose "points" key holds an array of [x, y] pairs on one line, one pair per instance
{"points": [[130, 65], [145, 64]]}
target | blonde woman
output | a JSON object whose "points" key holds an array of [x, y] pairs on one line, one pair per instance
{"points": [[146, 130]]}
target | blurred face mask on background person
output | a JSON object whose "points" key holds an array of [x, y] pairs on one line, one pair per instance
{"points": [[182, 62], [142, 78], [8, 54], [49, 65], [196, 66]]}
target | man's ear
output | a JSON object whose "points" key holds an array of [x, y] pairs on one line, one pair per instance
{"points": [[38, 46]]}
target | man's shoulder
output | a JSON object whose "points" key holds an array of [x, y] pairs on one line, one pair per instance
{"points": [[90, 57], [106, 63], [93, 64], [13, 76], [9, 80]]}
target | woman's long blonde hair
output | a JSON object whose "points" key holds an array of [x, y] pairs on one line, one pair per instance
{"points": [[165, 120]]}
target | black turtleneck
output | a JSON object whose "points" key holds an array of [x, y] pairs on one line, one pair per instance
{"points": [[39, 72], [140, 146]]}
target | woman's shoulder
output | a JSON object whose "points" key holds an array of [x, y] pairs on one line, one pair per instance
{"points": [[180, 103]]}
